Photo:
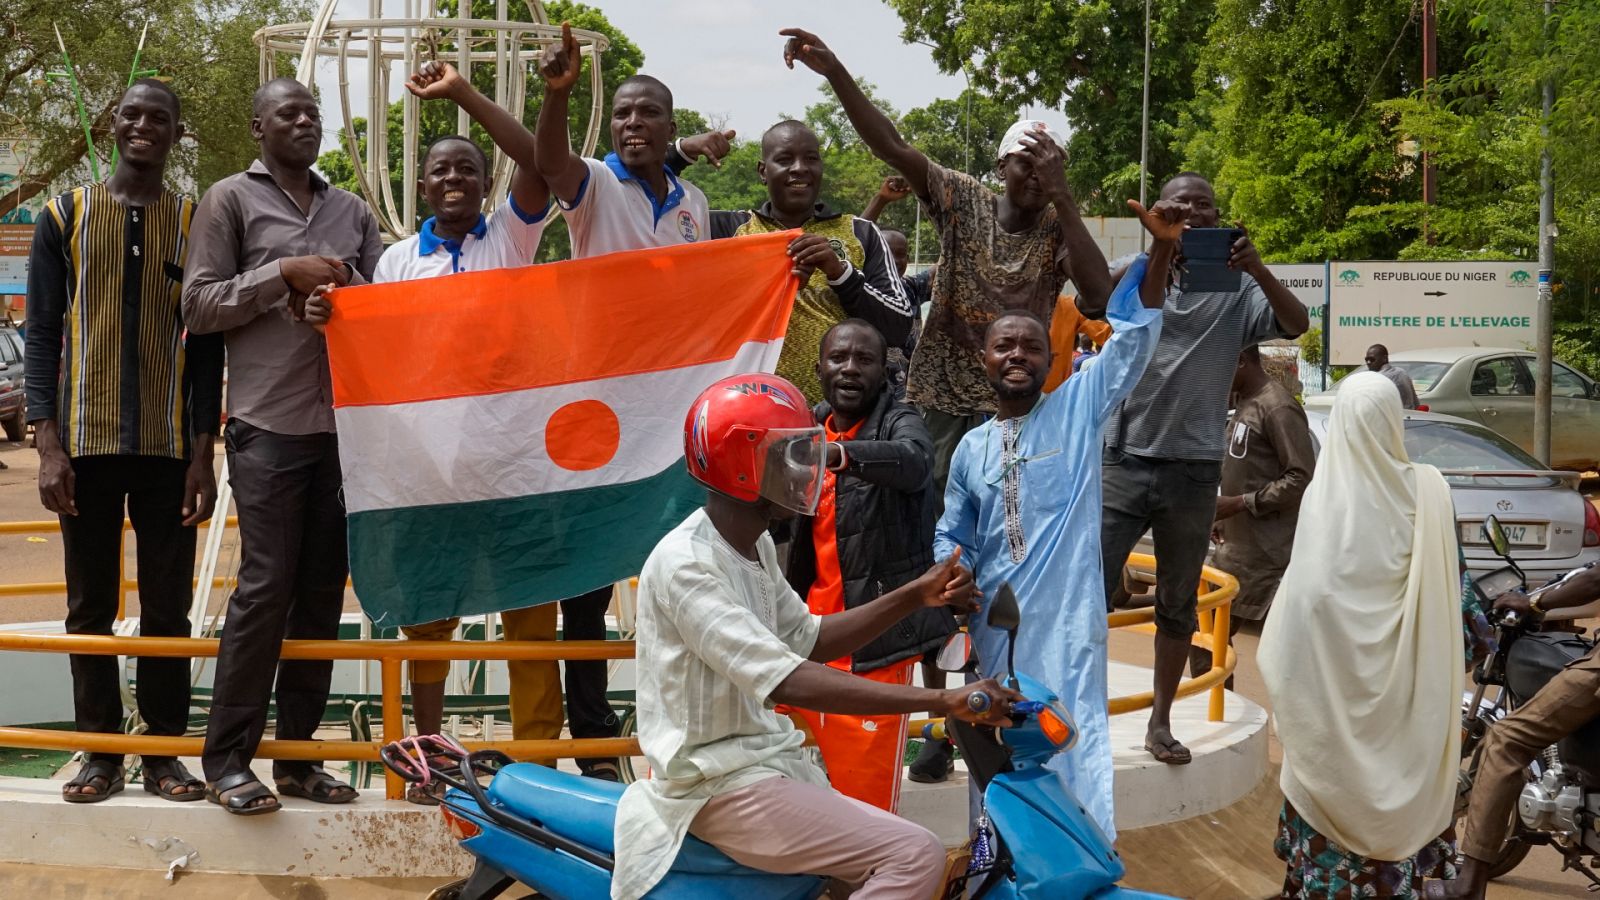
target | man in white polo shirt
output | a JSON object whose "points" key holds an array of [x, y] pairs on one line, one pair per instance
{"points": [[455, 177], [630, 200]]}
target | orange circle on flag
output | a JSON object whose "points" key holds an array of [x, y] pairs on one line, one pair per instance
{"points": [[582, 436]]}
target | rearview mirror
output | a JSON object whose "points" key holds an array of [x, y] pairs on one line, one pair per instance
{"points": [[1497, 536], [956, 653], [1004, 615]]}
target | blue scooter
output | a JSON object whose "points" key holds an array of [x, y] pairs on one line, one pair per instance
{"points": [[552, 831]]}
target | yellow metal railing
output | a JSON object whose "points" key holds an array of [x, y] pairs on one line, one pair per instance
{"points": [[390, 654], [51, 588], [1219, 589]]}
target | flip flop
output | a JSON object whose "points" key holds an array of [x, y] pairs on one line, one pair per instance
{"points": [[161, 777], [248, 789], [1170, 751], [317, 786], [108, 773]]}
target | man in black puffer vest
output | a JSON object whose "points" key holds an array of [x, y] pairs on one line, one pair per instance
{"points": [[872, 533]]}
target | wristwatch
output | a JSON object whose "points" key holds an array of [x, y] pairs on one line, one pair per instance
{"points": [[1533, 605]]}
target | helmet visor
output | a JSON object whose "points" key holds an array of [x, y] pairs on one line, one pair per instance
{"points": [[792, 474]]}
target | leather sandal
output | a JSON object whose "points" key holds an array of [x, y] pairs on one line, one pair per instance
{"points": [[108, 774], [160, 778], [317, 786], [247, 789]]}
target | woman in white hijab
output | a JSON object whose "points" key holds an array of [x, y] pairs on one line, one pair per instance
{"points": [[1362, 656]]}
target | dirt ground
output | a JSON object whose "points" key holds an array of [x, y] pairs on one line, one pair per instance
{"points": [[1227, 855]]}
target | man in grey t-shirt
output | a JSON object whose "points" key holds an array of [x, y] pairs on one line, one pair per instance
{"points": [[1163, 453], [1378, 361]]}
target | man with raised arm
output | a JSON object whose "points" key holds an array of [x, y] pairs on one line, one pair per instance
{"points": [[997, 253], [1023, 505], [630, 200]]}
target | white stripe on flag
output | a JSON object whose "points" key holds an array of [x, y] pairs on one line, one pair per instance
{"points": [[492, 446]]}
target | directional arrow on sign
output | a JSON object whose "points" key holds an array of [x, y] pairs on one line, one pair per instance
{"points": [[1433, 293]]}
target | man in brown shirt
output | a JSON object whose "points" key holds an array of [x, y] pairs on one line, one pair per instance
{"points": [[261, 241], [1264, 474], [997, 252]]}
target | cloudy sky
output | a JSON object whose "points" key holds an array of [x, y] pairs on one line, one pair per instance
{"points": [[724, 57]]}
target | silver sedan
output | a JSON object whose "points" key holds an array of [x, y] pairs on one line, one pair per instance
{"points": [[1494, 387], [1552, 527]]}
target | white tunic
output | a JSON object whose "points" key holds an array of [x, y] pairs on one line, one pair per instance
{"points": [[717, 634]]}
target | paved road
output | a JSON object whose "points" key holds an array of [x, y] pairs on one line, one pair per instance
{"points": [[40, 561]]}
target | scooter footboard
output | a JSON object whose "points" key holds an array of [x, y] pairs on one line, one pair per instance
{"points": [[1122, 893]]}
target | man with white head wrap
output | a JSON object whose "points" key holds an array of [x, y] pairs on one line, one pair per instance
{"points": [[997, 253]]}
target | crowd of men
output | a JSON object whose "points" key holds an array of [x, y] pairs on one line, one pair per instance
{"points": [[1018, 435]]}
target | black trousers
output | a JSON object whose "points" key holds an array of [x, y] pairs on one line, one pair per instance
{"points": [[589, 714], [292, 571], [151, 488]]}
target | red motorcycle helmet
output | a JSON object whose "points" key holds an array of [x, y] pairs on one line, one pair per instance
{"points": [[753, 437]]}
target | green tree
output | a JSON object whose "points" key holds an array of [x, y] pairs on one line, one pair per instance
{"points": [[1299, 126], [203, 49], [961, 134], [1086, 59]]}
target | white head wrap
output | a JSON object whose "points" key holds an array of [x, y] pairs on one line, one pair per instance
{"points": [[1012, 142]]}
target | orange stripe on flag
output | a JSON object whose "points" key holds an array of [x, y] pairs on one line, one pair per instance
{"points": [[536, 326]]}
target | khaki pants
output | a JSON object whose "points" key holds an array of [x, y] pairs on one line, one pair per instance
{"points": [[1567, 702], [790, 827], [535, 684]]}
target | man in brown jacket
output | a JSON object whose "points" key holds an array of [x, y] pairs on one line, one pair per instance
{"points": [[1264, 474]]}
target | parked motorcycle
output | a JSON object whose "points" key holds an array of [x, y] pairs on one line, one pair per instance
{"points": [[552, 831], [1560, 806]]}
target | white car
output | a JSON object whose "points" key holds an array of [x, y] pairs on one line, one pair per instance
{"points": [[1553, 528], [1494, 387]]}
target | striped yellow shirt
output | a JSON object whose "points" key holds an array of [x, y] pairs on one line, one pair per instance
{"points": [[106, 349]]}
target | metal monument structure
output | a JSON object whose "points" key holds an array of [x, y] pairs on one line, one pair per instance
{"points": [[391, 49]]}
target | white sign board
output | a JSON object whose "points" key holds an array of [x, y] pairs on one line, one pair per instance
{"points": [[1305, 281], [1418, 305], [16, 223]]}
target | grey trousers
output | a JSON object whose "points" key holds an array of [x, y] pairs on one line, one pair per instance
{"points": [[1176, 499]]}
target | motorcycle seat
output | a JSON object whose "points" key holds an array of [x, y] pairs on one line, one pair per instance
{"points": [[585, 810]]}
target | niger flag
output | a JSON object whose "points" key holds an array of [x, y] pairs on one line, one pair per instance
{"points": [[515, 436]]}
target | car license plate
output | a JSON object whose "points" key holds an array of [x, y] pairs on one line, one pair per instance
{"points": [[1520, 534]]}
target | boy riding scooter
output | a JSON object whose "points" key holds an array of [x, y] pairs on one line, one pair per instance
{"points": [[722, 638]]}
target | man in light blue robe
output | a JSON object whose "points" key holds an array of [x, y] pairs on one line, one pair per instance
{"points": [[1023, 503]]}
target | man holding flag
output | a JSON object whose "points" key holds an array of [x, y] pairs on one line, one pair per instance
{"points": [[456, 176]]}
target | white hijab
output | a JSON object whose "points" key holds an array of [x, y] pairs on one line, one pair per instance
{"points": [[1362, 651]]}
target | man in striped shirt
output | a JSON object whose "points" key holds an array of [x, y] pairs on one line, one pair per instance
{"points": [[125, 407]]}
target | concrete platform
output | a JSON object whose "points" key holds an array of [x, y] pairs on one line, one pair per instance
{"points": [[392, 839]]}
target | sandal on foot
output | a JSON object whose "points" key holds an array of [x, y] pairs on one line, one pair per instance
{"points": [[163, 777], [1169, 751], [603, 771], [246, 789], [108, 774], [317, 786]]}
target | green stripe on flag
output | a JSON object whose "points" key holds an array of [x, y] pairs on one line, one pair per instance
{"points": [[425, 563]]}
